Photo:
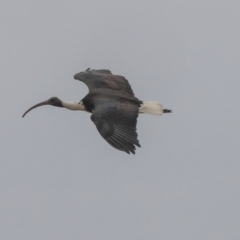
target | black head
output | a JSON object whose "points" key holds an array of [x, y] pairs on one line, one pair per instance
{"points": [[54, 101]]}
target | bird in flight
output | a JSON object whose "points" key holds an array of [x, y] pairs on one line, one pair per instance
{"points": [[113, 105]]}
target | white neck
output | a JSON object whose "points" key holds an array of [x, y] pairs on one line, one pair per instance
{"points": [[74, 106]]}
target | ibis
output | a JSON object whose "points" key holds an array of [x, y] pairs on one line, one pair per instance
{"points": [[113, 106]]}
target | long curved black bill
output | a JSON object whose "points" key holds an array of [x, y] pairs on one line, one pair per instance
{"points": [[35, 106]]}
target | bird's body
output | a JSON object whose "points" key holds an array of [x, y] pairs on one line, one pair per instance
{"points": [[113, 105]]}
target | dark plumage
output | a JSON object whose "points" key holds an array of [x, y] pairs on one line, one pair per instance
{"points": [[114, 108]]}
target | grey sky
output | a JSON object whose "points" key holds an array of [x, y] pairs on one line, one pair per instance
{"points": [[60, 180]]}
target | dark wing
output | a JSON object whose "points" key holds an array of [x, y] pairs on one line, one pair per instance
{"points": [[116, 122], [104, 81], [101, 71]]}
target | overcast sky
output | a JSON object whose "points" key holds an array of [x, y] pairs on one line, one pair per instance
{"points": [[60, 180]]}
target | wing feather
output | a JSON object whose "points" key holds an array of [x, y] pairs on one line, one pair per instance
{"points": [[103, 80], [116, 122]]}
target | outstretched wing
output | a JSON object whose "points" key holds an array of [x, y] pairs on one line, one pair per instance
{"points": [[116, 122], [101, 71], [103, 80]]}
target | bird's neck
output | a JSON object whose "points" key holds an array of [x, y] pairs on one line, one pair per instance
{"points": [[74, 106]]}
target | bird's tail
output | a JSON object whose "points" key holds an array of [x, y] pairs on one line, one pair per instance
{"points": [[152, 108]]}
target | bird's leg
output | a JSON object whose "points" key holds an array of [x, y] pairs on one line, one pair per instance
{"points": [[167, 111]]}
